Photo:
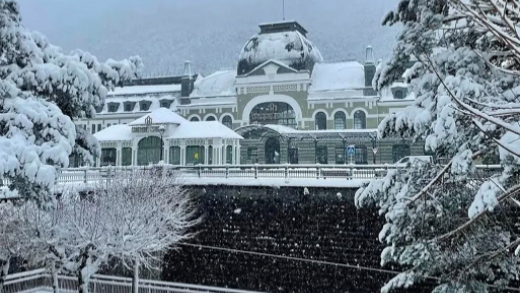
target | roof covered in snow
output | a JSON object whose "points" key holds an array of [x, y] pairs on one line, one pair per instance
{"points": [[204, 129], [119, 132], [160, 116], [286, 44], [145, 89], [218, 84], [337, 76]]}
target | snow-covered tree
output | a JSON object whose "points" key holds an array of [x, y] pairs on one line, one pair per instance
{"points": [[154, 212], [10, 242], [461, 59], [41, 91]]}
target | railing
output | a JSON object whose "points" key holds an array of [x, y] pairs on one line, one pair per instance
{"points": [[281, 171], [41, 281]]}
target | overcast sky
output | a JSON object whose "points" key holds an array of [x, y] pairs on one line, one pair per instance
{"points": [[210, 33]]}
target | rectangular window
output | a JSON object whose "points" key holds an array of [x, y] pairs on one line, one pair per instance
{"points": [[93, 128], [322, 155], [126, 157], [175, 155], [98, 127], [340, 155], [229, 155], [361, 154], [252, 155], [194, 155], [108, 157], [128, 107]]}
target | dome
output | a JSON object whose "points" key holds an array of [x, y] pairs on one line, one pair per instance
{"points": [[285, 42]]}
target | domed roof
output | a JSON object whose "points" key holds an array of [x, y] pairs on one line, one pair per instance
{"points": [[285, 42]]}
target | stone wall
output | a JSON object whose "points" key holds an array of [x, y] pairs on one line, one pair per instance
{"points": [[324, 225]]}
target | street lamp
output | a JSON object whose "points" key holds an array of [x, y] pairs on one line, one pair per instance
{"points": [[161, 132], [374, 146]]}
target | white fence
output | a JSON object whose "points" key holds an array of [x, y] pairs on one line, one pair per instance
{"points": [[200, 174], [40, 280]]}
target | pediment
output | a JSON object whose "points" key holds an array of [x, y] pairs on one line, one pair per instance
{"points": [[271, 68]]}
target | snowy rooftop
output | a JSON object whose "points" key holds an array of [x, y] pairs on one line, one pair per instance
{"points": [[155, 103], [115, 133], [160, 116], [337, 76], [204, 129], [145, 89], [289, 47], [218, 84]]}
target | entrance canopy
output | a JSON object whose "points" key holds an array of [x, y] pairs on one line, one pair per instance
{"points": [[258, 131]]}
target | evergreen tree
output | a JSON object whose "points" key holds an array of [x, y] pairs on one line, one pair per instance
{"points": [[451, 222], [42, 91]]}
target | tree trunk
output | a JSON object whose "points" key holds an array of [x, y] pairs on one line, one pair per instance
{"points": [[135, 278], [54, 274], [4, 270]]}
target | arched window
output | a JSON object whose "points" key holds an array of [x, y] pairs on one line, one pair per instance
{"points": [[228, 121], [360, 120], [210, 118], [194, 119], [320, 121], [340, 120], [277, 113]]}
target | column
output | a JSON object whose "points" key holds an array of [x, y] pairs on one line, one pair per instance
{"points": [[119, 155], [233, 153], [224, 154], [206, 152], [166, 152], [238, 155]]}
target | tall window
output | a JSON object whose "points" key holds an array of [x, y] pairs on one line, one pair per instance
{"points": [[360, 120], [228, 121], [175, 155], [340, 155], [322, 154], [252, 155], [340, 120], [108, 157], [194, 155], [361, 154], [229, 155], [126, 157], [400, 151], [320, 121]]}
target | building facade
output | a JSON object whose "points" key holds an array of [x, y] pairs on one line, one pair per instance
{"points": [[286, 101]]}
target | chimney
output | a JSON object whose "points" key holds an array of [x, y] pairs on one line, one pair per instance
{"points": [[370, 71], [186, 84]]}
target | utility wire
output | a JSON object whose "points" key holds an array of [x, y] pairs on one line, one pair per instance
{"points": [[322, 262]]}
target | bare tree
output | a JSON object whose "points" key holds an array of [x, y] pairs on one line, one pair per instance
{"points": [[153, 212]]}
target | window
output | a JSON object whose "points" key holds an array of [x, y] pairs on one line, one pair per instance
{"points": [[360, 120], [126, 155], [210, 118], [340, 155], [322, 154], [129, 107], [229, 155], [113, 107], [228, 121], [175, 155], [399, 95], [144, 105], [277, 113], [99, 127], [166, 104], [210, 155], [320, 121], [108, 125], [93, 128], [194, 155], [361, 156], [252, 155], [108, 157], [400, 151], [340, 120], [194, 119]]}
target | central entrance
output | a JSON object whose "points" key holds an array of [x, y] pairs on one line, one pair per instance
{"points": [[272, 151]]}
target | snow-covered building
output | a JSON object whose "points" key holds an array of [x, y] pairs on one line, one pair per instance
{"points": [[281, 79], [163, 135]]}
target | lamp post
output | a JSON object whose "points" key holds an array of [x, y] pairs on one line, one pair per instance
{"points": [[374, 147], [161, 133]]}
